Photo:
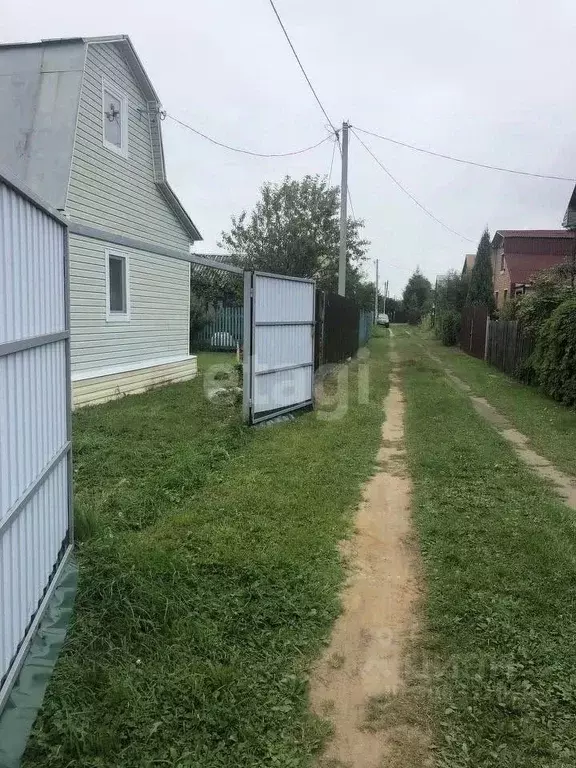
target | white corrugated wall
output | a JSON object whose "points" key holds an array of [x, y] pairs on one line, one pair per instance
{"points": [[34, 418]]}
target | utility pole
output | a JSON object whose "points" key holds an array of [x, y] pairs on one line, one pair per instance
{"points": [[376, 296], [343, 212]]}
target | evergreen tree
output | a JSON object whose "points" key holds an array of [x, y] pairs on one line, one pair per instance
{"points": [[417, 297], [481, 289]]}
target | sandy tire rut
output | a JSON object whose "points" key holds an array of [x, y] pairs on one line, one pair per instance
{"points": [[366, 655]]}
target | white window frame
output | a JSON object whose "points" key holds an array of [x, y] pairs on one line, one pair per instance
{"points": [[117, 317], [118, 94]]}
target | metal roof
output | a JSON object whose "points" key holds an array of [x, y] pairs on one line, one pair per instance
{"points": [[534, 233], [523, 266]]}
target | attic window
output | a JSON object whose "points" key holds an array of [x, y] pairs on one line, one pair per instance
{"points": [[114, 119], [502, 265]]}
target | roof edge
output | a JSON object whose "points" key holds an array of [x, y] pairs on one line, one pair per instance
{"points": [[179, 210]]}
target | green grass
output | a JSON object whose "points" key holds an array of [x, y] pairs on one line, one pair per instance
{"points": [[499, 557], [209, 579], [550, 427]]}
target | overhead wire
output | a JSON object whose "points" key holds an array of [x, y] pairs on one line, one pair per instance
{"points": [[314, 92], [462, 160], [247, 151], [287, 36], [350, 202], [409, 194], [332, 162]]}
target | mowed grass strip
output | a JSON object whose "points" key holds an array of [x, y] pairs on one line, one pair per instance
{"points": [[209, 579], [550, 426], [500, 563]]}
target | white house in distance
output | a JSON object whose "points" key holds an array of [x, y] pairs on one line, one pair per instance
{"points": [[81, 126]]}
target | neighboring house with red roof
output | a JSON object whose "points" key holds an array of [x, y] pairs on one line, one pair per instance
{"points": [[518, 254], [469, 261]]}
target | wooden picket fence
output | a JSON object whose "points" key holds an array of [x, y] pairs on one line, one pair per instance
{"points": [[507, 347], [222, 332], [473, 331]]}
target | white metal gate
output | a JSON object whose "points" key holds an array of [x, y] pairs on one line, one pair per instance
{"points": [[278, 344], [35, 427]]}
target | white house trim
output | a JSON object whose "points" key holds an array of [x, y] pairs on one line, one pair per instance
{"points": [[114, 369], [118, 94], [117, 317]]}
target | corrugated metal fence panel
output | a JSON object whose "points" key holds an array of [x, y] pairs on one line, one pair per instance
{"points": [[34, 418], [282, 344], [223, 331], [29, 551], [31, 277], [283, 300], [340, 328], [365, 327]]}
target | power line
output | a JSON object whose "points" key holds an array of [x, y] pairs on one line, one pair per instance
{"points": [[287, 36], [247, 151], [406, 192], [465, 162], [332, 162], [350, 201]]}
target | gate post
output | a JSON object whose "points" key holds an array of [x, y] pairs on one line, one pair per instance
{"points": [[487, 339], [247, 348]]}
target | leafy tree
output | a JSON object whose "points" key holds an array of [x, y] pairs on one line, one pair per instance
{"points": [[449, 299], [294, 229], [417, 297], [480, 289]]}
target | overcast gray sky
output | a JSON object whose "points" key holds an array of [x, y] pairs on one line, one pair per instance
{"points": [[492, 81]]}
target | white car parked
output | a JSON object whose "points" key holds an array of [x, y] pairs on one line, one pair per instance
{"points": [[383, 320]]}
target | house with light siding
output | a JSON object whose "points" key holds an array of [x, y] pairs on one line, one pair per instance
{"points": [[81, 126]]}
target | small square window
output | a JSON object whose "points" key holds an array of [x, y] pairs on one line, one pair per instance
{"points": [[117, 287], [114, 120]]}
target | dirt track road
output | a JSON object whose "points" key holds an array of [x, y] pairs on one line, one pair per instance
{"points": [[365, 658]]}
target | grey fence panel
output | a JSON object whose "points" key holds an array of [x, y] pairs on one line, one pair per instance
{"points": [[35, 467], [365, 326], [280, 371]]}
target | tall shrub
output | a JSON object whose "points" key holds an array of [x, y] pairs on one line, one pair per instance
{"points": [[417, 297], [480, 288], [449, 322], [555, 358], [449, 299]]}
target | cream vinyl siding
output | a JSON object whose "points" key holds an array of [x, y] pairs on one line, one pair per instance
{"points": [[159, 292], [102, 388], [107, 189]]}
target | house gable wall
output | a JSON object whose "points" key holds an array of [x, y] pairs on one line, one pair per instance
{"points": [[107, 189]]}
